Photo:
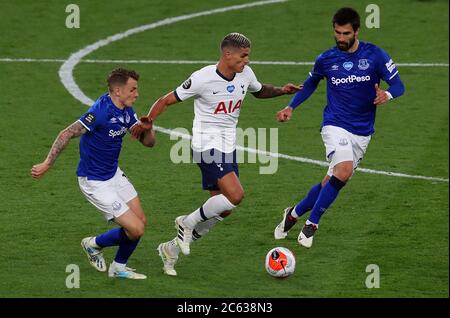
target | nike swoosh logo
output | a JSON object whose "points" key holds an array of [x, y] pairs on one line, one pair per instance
{"points": [[215, 92]]}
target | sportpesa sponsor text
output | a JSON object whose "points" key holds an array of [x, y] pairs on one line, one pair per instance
{"points": [[349, 79], [114, 133]]}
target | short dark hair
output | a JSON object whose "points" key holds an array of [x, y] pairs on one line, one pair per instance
{"points": [[347, 15], [236, 40], [120, 76]]}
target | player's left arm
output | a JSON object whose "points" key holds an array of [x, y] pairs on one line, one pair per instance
{"points": [[396, 89], [389, 73], [269, 91]]}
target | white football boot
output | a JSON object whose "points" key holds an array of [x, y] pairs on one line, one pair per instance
{"points": [[95, 255], [169, 259], [128, 273], [184, 235], [305, 238], [282, 229]]}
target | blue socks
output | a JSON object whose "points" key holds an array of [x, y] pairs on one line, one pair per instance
{"points": [[115, 237], [308, 202], [110, 238], [326, 196], [126, 248]]}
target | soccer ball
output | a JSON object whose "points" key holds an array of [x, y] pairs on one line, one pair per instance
{"points": [[280, 262]]}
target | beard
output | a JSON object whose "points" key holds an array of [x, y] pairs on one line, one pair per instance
{"points": [[345, 46]]}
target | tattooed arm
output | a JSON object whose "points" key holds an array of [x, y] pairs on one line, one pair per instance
{"points": [[74, 130], [268, 90]]}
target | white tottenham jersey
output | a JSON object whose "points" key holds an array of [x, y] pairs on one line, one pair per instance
{"points": [[217, 105]]}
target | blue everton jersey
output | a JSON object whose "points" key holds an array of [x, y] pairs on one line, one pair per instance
{"points": [[100, 146], [351, 79]]}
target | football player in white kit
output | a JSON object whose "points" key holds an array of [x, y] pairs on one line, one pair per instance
{"points": [[218, 92]]}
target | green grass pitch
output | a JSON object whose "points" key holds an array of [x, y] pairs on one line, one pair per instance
{"points": [[400, 224]]}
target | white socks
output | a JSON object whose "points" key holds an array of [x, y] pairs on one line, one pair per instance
{"points": [[119, 267], [201, 229], [214, 206], [210, 211], [294, 213], [93, 244], [173, 247]]}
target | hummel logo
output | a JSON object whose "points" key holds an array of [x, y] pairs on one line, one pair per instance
{"points": [[214, 93]]}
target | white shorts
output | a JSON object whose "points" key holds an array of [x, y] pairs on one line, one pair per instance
{"points": [[341, 145], [110, 196]]}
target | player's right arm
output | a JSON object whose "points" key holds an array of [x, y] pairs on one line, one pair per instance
{"points": [[309, 86], [190, 88], [161, 104], [146, 122], [72, 131]]}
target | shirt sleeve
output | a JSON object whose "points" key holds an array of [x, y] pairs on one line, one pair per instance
{"points": [[190, 87], [254, 85], [317, 71], [92, 118], [386, 66], [133, 117], [388, 72], [310, 85]]}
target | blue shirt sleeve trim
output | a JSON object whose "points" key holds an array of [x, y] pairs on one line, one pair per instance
{"points": [[84, 125]]}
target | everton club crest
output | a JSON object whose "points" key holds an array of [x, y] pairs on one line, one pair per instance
{"points": [[363, 64]]}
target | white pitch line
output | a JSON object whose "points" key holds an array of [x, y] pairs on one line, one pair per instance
{"points": [[12, 60], [66, 76], [66, 70], [302, 159], [31, 60]]}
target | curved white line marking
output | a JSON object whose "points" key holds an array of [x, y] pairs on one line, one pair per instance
{"points": [[305, 160], [65, 72], [66, 76]]}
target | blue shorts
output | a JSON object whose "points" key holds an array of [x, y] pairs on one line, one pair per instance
{"points": [[215, 164]]}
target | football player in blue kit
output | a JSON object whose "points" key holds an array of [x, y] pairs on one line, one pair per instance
{"points": [[353, 70], [100, 179]]}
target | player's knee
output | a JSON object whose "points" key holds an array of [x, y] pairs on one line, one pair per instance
{"points": [[344, 174], [343, 171], [136, 231], [140, 229], [236, 197]]}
